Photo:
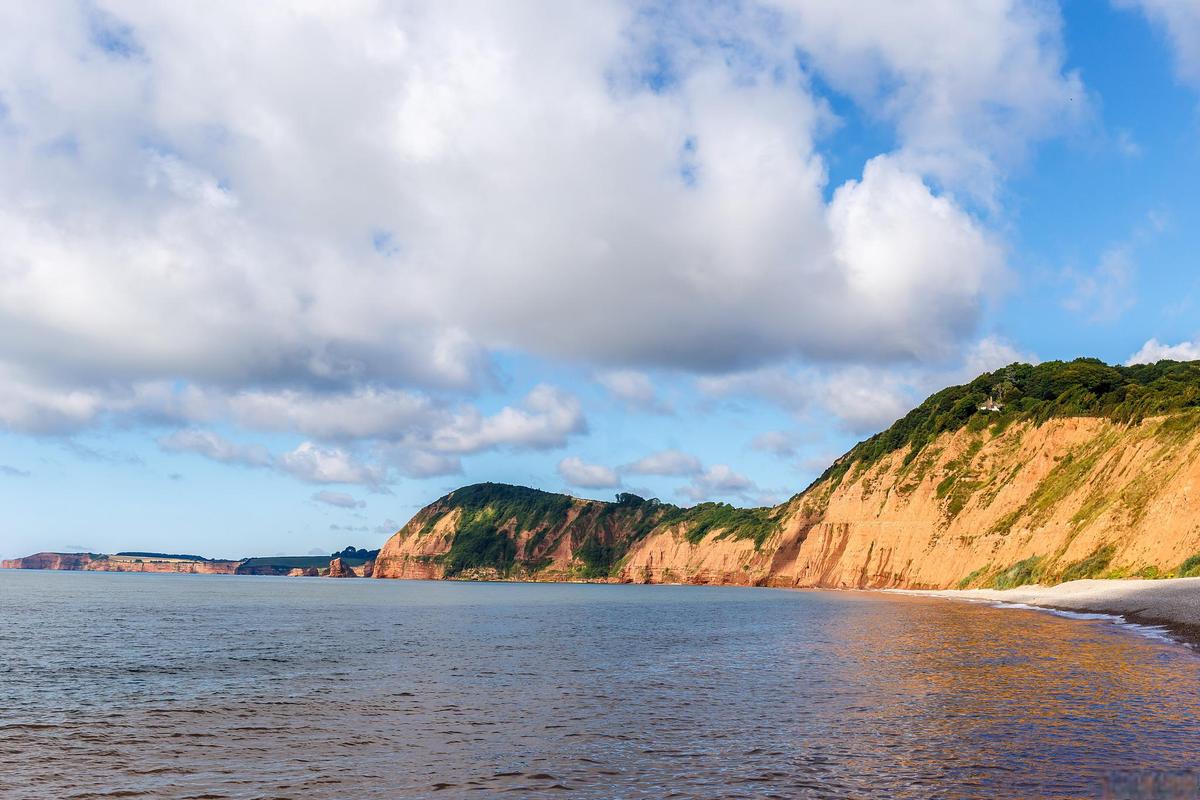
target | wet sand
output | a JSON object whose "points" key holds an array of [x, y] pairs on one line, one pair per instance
{"points": [[1172, 602]]}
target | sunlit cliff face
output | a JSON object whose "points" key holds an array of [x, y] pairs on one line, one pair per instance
{"points": [[1071, 498]]}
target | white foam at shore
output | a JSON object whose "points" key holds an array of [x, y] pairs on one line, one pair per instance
{"points": [[1171, 600]]}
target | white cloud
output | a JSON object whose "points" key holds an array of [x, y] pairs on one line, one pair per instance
{"points": [[862, 399], [665, 462], [902, 249], [866, 401], [365, 413], [547, 418], [338, 499], [315, 464], [215, 447], [35, 407], [968, 85], [13, 472], [416, 463], [369, 200], [577, 472], [788, 389], [634, 389], [1154, 351], [719, 481], [990, 354], [1180, 20]]}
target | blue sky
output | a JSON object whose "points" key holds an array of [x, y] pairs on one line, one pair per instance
{"points": [[270, 283]]}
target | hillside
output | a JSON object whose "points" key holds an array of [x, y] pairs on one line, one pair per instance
{"points": [[1042, 473], [128, 561], [353, 559], [495, 530]]}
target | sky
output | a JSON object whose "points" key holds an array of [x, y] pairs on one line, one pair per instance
{"points": [[275, 276]]}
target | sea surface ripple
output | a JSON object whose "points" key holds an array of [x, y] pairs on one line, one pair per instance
{"points": [[173, 686]]}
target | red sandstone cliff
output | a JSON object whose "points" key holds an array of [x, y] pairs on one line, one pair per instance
{"points": [[1070, 498], [94, 562]]}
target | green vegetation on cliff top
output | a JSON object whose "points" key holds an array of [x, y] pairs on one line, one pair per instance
{"points": [[601, 534], [492, 515], [1035, 393], [150, 555]]}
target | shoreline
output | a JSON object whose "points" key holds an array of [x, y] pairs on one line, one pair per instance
{"points": [[1172, 604], [1168, 604]]}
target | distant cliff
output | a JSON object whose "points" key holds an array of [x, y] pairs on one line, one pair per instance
{"points": [[353, 561], [98, 562], [1033, 473]]}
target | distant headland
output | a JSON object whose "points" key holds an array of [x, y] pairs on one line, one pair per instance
{"points": [[350, 562]]}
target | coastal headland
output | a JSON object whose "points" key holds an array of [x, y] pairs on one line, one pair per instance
{"points": [[349, 563], [1034, 474], [1028, 475]]}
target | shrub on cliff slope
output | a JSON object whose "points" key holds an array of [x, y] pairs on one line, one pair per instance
{"points": [[732, 522], [1083, 387], [494, 516]]}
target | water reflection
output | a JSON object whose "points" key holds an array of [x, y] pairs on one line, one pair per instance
{"points": [[214, 686]]}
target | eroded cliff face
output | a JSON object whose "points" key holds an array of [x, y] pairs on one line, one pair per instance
{"points": [[1081, 497], [69, 561], [491, 531], [1070, 498], [93, 562]]}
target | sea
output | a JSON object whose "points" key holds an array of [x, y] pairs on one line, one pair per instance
{"points": [[123, 685]]}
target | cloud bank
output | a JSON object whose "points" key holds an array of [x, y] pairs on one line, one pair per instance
{"points": [[328, 220]]}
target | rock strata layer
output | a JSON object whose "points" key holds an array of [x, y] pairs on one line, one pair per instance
{"points": [[1078, 497]]}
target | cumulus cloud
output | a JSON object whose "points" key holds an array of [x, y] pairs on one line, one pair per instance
{"points": [[1154, 351], [577, 472], [293, 207], [790, 389], [863, 400], [362, 413], [719, 480], [665, 462], [414, 437], [315, 464], [634, 390], [416, 463], [308, 462], [32, 406], [338, 499], [903, 250], [547, 417], [967, 85], [990, 354], [215, 447], [866, 401]]}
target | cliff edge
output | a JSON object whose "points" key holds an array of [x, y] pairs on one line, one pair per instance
{"points": [[1046, 473]]}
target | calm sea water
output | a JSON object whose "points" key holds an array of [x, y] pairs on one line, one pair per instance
{"points": [[170, 686]]}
